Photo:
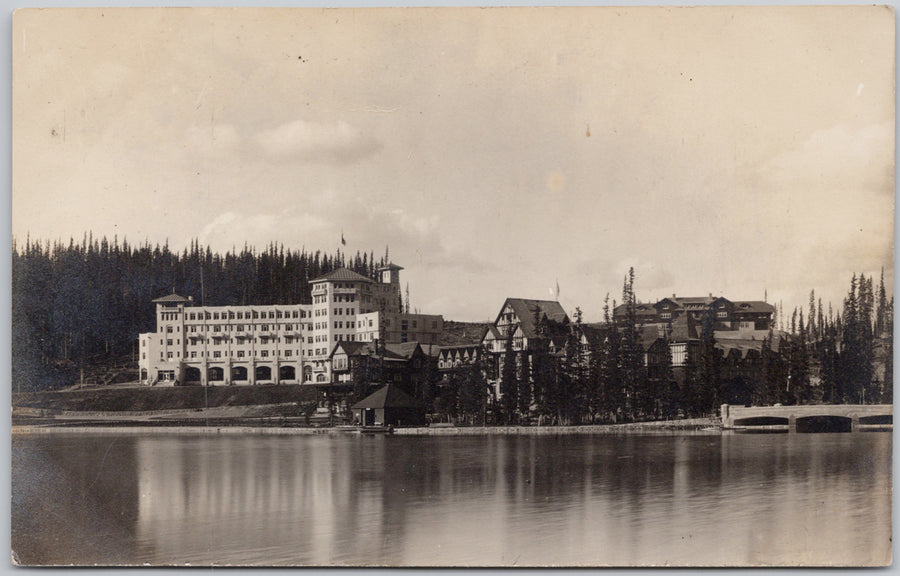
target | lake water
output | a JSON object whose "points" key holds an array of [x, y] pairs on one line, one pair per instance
{"points": [[612, 500]]}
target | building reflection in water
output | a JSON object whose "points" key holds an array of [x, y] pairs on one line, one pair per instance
{"points": [[474, 501]]}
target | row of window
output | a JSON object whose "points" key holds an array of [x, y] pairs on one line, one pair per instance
{"points": [[262, 340], [242, 327], [241, 315], [228, 353]]}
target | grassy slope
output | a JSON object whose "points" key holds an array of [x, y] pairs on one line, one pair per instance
{"points": [[114, 399]]}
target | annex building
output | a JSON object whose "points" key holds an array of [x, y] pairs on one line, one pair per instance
{"points": [[742, 315], [281, 344]]}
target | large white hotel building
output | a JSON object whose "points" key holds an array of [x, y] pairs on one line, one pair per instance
{"points": [[281, 344]]}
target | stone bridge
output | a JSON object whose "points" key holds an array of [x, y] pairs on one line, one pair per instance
{"points": [[809, 418]]}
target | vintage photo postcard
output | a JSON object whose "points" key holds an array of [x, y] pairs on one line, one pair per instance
{"points": [[453, 287]]}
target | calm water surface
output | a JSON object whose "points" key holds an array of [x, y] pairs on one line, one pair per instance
{"points": [[621, 500]]}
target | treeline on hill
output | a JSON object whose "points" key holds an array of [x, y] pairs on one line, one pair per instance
{"points": [[79, 304], [600, 374]]}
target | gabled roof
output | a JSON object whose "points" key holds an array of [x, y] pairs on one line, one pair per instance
{"points": [[404, 350], [463, 333], [684, 328], [341, 275], [391, 396], [171, 299], [350, 348], [754, 306], [674, 303], [694, 300], [431, 350], [400, 351], [647, 336], [525, 312], [494, 332], [640, 310], [594, 333]]}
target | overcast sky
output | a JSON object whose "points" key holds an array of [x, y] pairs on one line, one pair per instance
{"points": [[729, 150]]}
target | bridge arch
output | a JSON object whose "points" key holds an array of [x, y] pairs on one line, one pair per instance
{"points": [[879, 420], [762, 421], [825, 423]]}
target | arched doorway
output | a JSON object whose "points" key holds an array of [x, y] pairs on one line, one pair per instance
{"points": [[263, 373], [321, 378], [216, 374], [239, 374], [192, 374], [307, 374], [287, 373]]}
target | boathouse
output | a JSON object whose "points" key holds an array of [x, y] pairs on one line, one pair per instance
{"points": [[388, 406]]}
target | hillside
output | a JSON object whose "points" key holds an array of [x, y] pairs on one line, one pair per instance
{"points": [[460, 333], [147, 399]]}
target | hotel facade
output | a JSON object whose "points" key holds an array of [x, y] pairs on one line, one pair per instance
{"points": [[280, 344]]}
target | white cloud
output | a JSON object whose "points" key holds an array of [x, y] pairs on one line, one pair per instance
{"points": [[842, 157], [337, 143]]}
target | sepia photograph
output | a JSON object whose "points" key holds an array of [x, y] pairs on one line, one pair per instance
{"points": [[452, 287]]}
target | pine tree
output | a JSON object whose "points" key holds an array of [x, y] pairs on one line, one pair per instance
{"points": [[881, 310], [709, 366], [887, 385], [509, 380], [633, 373], [472, 395], [811, 329]]}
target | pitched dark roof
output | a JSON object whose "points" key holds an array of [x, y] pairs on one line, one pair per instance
{"points": [[390, 266], [494, 332], [684, 328], [648, 335], [463, 333], [594, 333], [431, 350], [754, 306], [341, 275], [525, 311], [350, 348], [404, 350], [399, 351], [644, 309], [673, 302], [706, 300], [742, 347], [390, 396], [171, 299]]}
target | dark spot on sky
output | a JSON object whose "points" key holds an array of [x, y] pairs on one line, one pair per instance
{"points": [[53, 132]]}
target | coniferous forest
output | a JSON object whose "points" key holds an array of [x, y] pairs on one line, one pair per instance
{"points": [[80, 304]]}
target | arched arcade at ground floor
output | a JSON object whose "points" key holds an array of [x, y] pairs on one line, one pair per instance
{"points": [[233, 373]]}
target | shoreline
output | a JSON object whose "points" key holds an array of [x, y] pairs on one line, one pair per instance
{"points": [[692, 425]]}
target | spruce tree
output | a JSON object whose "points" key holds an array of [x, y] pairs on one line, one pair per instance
{"points": [[509, 380]]}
